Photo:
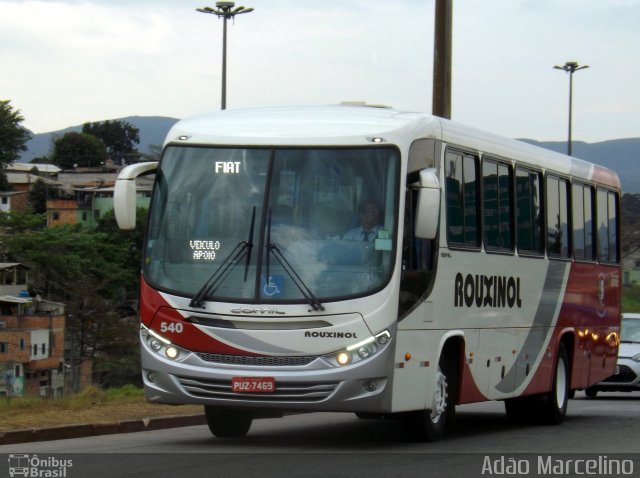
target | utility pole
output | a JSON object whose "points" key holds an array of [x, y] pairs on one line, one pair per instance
{"points": [[441, 103]]}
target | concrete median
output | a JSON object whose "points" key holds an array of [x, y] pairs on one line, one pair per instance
{"points": [[80, 431]]}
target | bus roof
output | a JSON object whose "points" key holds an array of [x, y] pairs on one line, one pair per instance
{"points": [[303, 125], [340, 125]]}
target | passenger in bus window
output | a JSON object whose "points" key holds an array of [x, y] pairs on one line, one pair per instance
{"points": [[367, 231]]}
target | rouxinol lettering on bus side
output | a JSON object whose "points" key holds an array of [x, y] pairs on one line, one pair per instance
{"points": [[487, 291]]}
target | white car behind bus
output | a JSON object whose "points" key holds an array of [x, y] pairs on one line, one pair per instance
{"points": [[627, 375]]}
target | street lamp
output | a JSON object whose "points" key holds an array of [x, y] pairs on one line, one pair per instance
{"points": [[570, 67], [224, 10]]}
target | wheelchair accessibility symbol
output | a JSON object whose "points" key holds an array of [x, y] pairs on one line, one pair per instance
{"points": [[273, 287]]}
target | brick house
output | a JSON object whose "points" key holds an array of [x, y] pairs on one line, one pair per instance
{"points": [[32, 334], [21, 177]]}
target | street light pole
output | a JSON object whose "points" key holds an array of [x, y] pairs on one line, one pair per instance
{"points": [[570, 67], [226, 11]]}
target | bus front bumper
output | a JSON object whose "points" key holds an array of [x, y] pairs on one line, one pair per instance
{"points": [[310, 384]]}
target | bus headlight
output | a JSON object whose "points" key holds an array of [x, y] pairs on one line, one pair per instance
{"points": [[155, 344], [160, 344], [365, 351], [343, 358], [361, 350]]}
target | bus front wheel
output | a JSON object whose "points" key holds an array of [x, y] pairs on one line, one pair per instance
{"points": [[227, 423]]}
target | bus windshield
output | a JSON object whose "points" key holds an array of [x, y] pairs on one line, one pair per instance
{"points": [[273, 225]]}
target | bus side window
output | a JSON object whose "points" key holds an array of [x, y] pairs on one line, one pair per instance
{"points": [[607, 223], [463, 218], [558, 217], [417, 259], [497, 205], [529, 211], [583, 223]]}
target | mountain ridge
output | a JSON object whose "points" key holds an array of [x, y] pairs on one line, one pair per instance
{"points": [[153, 130]]}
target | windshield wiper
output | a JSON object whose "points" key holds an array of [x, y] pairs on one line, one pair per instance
{"points": [[272, 248], [242, 249]]}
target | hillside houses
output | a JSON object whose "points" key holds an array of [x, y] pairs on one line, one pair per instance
{"points": [[21, 178], [79, 196], [38, 356]]}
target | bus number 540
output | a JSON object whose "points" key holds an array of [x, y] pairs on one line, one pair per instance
{"points": [[173, 327]]}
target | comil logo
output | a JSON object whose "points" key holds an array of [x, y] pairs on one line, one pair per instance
{"points": [[36, 467]]}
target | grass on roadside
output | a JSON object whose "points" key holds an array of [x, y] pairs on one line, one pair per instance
{"points": [[631, 299], [90, 406]]}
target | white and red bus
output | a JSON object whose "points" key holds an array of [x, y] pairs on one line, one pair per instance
{"points": [[373, 261]]}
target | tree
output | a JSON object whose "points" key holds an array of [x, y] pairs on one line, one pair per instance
{"points": [[153, 154], [119, 137], [132, 239], [78, 149], [13, 138], [19, 222], [40, 192], [95, 273]]}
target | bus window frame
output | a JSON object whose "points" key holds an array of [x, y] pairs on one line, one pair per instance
{"points": [[512, 212], [529, 253], [593, 187], [618, 251], [478, 170], [559, 178]]}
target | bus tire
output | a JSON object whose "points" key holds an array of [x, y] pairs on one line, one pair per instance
{"points": [[591, 392], [553, 407], [429, 425], [227, 422]]}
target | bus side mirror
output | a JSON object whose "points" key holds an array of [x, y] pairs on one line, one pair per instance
{"points": [[428, 211], [124, 194]]}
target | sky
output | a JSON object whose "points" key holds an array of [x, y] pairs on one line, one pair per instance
{"points": [[66, 62]]}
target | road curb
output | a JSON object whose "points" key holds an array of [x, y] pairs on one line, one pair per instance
{"points": [[81, 431]]}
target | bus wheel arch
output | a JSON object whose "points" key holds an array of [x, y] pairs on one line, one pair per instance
{"points": [[453, 352], [569, 339], [554, 404], [549, 408], [429, 425]]}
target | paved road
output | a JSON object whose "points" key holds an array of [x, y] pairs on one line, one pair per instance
{"points": [[329, 444]]}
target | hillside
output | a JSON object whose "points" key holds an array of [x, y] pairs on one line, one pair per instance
{"points": [[621, 155], [153, 130]]}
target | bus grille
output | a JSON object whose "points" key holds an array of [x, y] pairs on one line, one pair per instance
{"points": [[285, 391], [257, 361]]}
